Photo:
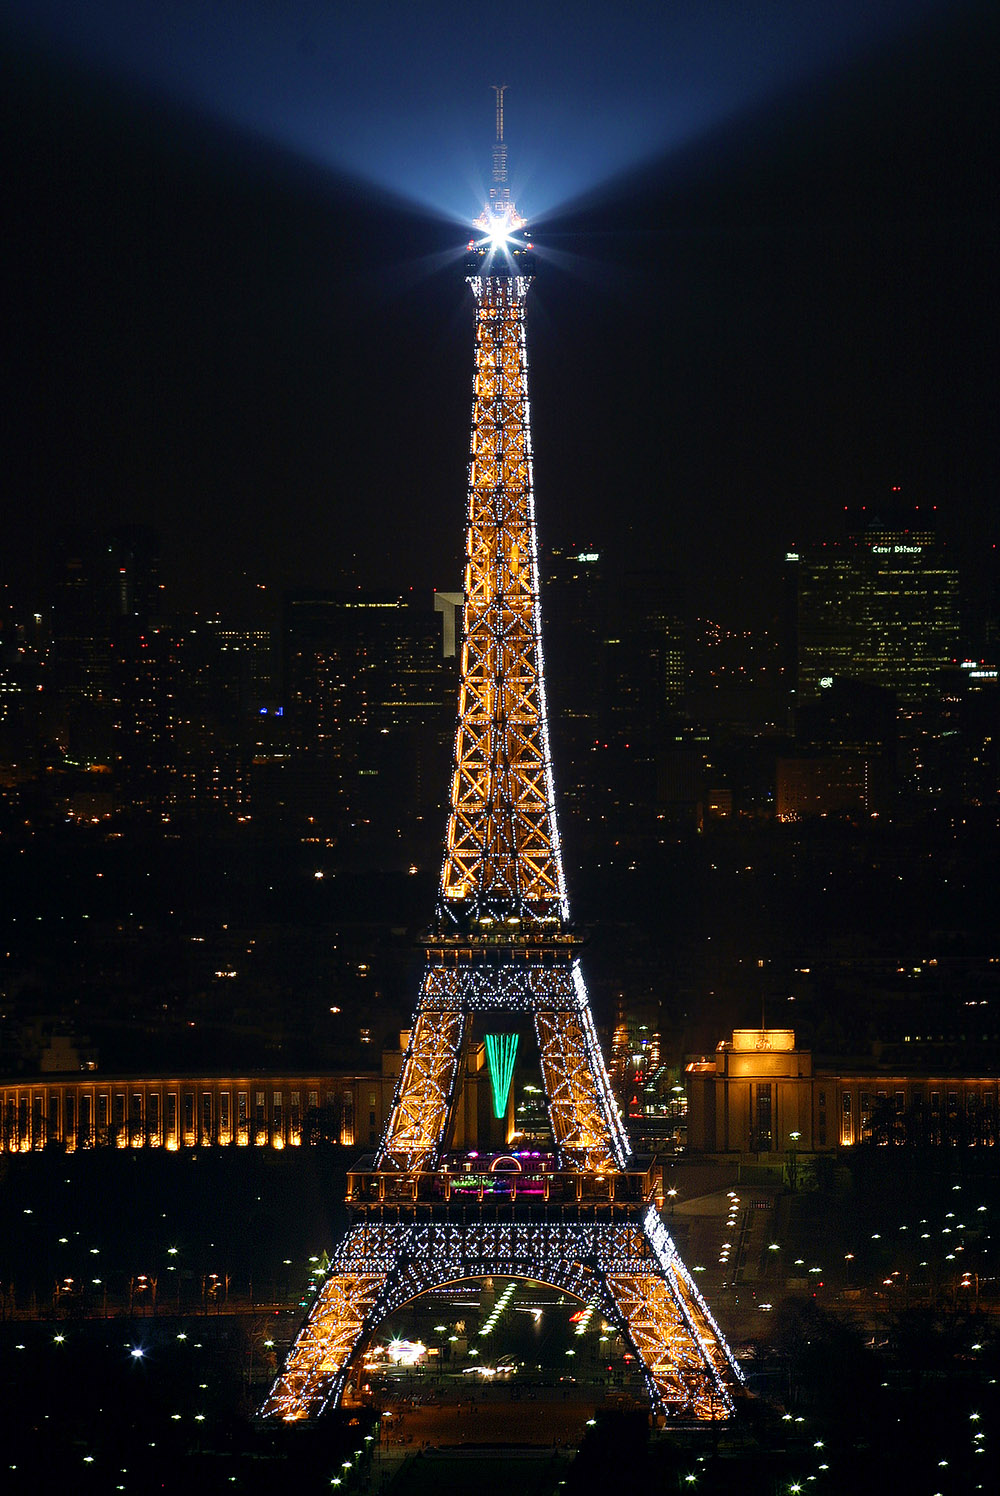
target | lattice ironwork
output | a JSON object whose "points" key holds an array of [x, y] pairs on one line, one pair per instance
{"points": [[322, 1352], [510, 987], [629, 1269], [503, 945], [586, 1125], [501, 847], [425, 1092]]}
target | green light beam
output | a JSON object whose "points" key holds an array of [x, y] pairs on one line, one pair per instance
{"points": [[500, 1052]]}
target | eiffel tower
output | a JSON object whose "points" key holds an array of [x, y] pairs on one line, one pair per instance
{"points": [[582, 1219]]}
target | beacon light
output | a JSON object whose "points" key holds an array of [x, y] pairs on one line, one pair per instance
{"points": [[499, 234]]}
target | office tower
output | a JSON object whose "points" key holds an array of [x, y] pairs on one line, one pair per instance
{"points": [[879, 604], [369, 704]]}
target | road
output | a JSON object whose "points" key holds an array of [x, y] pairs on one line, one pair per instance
{"points": [[510, 1413]]}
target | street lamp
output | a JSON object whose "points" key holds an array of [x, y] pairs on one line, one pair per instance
{"points": [[793, 1163]]}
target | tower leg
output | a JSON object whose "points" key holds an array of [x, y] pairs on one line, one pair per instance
{"points": [[422, 1104], [585, 1122], [316, 1372]]}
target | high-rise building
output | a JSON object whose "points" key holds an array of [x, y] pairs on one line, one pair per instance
{"points": [[878, 604], [227, 717], [575, 608], [575, 605], [107, 586], [617, 646], [845, 753], [114, 661], [357, 661], [368, 696], [645, 672], [144, 678]]}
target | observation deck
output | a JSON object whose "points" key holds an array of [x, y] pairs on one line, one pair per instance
{"points": [[520, 1185], [502, 942], [507, 257]]}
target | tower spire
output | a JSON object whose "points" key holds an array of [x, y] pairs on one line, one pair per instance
{"points": [[500, 211], [499, 89]]}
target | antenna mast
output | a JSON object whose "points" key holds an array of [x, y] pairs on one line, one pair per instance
{"points": [[499, 192], [499, 89]]}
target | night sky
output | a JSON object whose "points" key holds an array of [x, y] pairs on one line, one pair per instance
{"points": [[234, 304]]}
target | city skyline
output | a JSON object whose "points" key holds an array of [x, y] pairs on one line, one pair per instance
{"points": [[787, 312], [761, 435]]}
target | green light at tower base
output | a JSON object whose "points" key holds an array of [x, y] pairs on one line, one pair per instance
{"points": [[500, 1052]]}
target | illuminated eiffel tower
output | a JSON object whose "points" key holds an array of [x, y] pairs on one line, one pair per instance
{"points": [[581, 1219]]}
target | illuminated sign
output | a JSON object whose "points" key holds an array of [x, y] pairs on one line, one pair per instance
{"points": [[791, 555], [825, 682], [897, 550], [588, 556], [764, 1039]]}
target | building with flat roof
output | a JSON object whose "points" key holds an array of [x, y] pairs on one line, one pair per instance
{"points": [[760, 1096], [82, 1109], [879, 603]]}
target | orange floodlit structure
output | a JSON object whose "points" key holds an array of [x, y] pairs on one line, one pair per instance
{"points": [[582, 1219]]}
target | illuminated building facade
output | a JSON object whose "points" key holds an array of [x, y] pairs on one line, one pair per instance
{"points": [[879, 605], [818, 784], [580, 1216], [760, 1096], [258, 1111], [75, 1107]]}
